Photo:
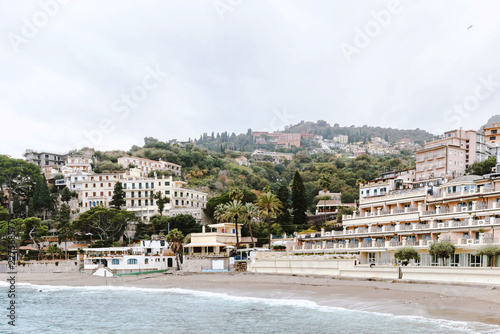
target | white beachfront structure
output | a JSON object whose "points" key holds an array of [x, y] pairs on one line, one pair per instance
{"points": [[149, 255]]}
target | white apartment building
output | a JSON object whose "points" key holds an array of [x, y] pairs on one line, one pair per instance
{"points": [[146, 166], [341, 139], [138, 192], [98, 189]]}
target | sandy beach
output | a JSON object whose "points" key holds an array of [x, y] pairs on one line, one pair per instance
{"points": [[443, 301]]}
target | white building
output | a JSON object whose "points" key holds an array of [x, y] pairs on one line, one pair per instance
{"points": [[148, 255], [146, 166]]}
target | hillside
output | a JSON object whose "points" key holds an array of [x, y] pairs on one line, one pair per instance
{"points": [[357, 134]]}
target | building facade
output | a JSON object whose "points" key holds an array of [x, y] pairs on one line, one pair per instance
{"points": [[42, 158], [146, 166], [450, 155], [463, 211]]}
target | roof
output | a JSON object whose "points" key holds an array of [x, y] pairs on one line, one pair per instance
{"points": [[222, 225], [27, 248], [466, 178], [205, 244]]}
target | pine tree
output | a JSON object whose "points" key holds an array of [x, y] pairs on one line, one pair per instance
{"points": [[299, 201], [118, 199]]}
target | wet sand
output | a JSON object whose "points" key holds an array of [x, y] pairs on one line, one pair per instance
{"points": [[442, 301]]}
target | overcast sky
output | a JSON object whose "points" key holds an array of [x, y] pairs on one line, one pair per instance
{"points": [[109, 73]]}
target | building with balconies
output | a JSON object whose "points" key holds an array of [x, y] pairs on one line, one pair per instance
{"points": [[450, 155], [42, 158], [138, 192], [464, 211], [146, 166], [97, 189]]}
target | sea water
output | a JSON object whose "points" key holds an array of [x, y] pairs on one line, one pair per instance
{"points": [[60, 309]]}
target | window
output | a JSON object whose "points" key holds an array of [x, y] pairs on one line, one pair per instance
{"points": [[132, 194], [152, 185], [493, 131], [140, 185], [146, 202], [167, 192], [124, 186], [492, 138], [167, 183], [133, 185], [139, 203], [176, 202], [175, 194], [132, 203], [139, 193], [115, 261], [146, 261], [132, 261]]}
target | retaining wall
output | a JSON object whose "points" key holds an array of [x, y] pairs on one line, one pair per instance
{"points": [[55, 266]]}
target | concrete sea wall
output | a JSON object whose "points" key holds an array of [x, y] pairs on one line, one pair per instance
{"points": [[316, 265]]}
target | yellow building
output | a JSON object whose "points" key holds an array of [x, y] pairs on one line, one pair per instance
{"points": [[214, 243]]}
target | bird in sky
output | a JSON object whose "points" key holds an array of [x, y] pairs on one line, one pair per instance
{"points": [[469, 27]]}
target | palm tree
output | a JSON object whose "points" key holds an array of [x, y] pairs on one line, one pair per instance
{"points": [[53, 250], [234, 212], [219, 212], [269, 206], [174, 239], [250, 212]]}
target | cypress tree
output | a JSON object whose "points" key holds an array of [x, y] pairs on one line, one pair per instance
{"points": [[45, 199], [299, 201], [118, 199], [284, 218], [31, 208]]}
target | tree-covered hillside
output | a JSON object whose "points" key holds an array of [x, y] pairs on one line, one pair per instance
{"points": [[359, 133]]}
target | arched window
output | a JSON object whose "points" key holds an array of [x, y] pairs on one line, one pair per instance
{"points": [[115, 262], [146, 261], [132, 261]]}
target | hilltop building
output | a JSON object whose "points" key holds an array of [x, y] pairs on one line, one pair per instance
{"points": [[43, 158]]}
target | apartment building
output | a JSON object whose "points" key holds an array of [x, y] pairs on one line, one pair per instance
{"points": [[464, 211], [280, 139], [450, 155], [146, 166], [277, 157], [77, 164], [388, 182], [42, 158], [97, 189], [342, 139], [138, 192]]}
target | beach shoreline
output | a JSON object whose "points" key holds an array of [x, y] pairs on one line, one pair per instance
{"points": [[474, 303]]}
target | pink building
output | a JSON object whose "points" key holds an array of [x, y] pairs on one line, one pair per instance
{"points": [[450, 155]]}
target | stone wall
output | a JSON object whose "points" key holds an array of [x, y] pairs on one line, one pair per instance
{"points": [[55, 266]]}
